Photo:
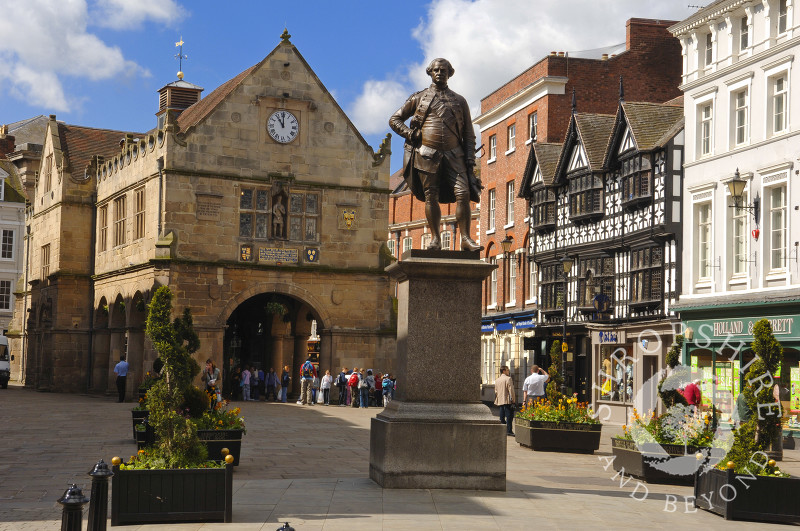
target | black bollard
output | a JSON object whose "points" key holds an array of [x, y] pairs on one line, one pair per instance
{"points": [[72, 501], [98, 505]]}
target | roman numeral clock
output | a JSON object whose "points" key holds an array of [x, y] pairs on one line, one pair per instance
{"points": [[283, 126]]}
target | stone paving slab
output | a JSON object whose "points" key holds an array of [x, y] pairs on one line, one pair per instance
{"points": [[310, 466]]}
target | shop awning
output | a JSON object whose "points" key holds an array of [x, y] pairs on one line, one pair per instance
{"points": [[508, 321]]}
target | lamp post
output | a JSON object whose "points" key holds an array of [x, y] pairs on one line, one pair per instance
{"points": [[506, 255], [567, 262], [736, 188]]}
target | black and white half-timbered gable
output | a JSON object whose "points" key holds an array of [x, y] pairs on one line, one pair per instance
{"points": [[609, 215]]}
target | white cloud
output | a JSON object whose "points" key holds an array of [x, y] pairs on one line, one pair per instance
{"points": [[491, 41], [46, 40], [124, 14]]}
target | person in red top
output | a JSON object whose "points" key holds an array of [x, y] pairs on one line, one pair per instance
{"points": [[692, 394]]}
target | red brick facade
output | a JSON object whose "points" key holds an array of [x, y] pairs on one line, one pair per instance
{"points": [[651, 70]]}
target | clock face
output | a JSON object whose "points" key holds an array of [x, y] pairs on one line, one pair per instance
{"points": [[283, 126]]}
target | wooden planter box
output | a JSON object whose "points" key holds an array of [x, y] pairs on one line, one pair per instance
{"points": [[216, 440], [166, 496], [138, 417], [145, 437], [643, 461], [574, 437], [763, 499]]}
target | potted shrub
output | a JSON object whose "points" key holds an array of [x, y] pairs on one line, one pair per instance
{"points": [[173, 480], [746, 484], [222, 428]]}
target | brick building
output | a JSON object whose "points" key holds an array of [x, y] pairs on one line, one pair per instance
{"points": [[536, 106], [259, 205]]}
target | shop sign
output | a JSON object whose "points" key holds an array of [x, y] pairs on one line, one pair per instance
{"points": [[605, 337], [782, 325], [487, 328], [527, 323], [505, 325]]}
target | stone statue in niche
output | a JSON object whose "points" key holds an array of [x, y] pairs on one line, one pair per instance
{"points": [[278, 217]]}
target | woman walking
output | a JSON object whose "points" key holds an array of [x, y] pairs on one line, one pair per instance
{"points": [[327, 380]]}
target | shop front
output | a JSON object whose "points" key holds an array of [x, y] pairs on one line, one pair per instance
{"points": [[506, 340], [627, 361], [719, 353]]}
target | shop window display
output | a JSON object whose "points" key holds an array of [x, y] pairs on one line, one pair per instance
{"points": [[616, 373]]}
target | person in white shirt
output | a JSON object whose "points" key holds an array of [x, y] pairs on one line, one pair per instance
{"points": [[534, 386]]}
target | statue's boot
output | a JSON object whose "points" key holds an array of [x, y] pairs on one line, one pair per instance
{"points": [[435, 245], [468, 244], [463, 218]]}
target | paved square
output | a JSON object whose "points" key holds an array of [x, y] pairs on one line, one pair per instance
{"points": [[309, 466]]}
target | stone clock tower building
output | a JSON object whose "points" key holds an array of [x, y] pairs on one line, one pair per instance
{"points": [[260, 205]]}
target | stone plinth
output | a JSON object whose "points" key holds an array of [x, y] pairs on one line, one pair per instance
{"points": [[437, 433]]}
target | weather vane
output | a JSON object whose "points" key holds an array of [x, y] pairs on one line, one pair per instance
{"points": [[180, 57]]}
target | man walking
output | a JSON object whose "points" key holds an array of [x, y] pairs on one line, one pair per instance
{"points": [[121, 370], [342, 385], [307, 374], [504, 397], [534, 386], [285, 379], [272, 385]]}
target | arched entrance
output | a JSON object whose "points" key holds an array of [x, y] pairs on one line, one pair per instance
{"points": [[270, 330]]}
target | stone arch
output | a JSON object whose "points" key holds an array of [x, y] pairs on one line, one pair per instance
{"points": [[283, 288], [117, 313]]}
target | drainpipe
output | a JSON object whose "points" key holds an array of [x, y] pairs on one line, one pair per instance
{"points": [[23, 362], [90, 357], [160, 195]]}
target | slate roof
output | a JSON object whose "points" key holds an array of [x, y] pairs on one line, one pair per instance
{"points": [[79, 144], [594, 131], [30, 131], [546, 156], [649, 122], [195, 114], [652, 125], [397, 184]]}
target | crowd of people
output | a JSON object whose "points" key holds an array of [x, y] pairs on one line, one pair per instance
{"points": [[357, 387]]}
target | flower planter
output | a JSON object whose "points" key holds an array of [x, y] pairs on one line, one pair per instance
{"points": [[145, 437], [165, 496], [574, 437], [655, 463], [138, 416], [216, 440], [740, 497]]}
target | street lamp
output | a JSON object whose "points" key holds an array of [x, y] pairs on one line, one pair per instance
{"points": [[736, 188], [567, 262], [506, 254]]}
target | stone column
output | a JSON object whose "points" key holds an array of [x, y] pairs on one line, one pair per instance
{"points": [[437, 434]]}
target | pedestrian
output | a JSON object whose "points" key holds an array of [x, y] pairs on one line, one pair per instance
{"points": [[262, 383], [246, 379], [504, 397], [272, 385], [327, 380], [352, 384], [254, 384], [236, 384], [341, 383], [213, 384], [386, 386], [533, 388], [285, 379], [315, 394], [307, 374], [394, 386], [363, 388], [121, 370]]}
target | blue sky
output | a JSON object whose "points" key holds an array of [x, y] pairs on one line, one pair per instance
{"points": [[99, 63]]}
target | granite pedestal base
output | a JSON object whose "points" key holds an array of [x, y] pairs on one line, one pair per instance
{"points": [[437, 434], [438, 446]]}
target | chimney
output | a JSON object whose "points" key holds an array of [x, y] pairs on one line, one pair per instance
{"points": [[645, 32], [7, 143], [176, 97]]}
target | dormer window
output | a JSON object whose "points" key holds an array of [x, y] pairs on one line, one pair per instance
{"points": [[636, 182], [585, 196]]}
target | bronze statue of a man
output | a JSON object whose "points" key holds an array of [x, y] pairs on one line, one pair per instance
{"points": [[439, 155]]}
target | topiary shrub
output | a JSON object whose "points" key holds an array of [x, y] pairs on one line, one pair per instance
{"points": [[195, 402], [677, 377], [554, 393], [178, 445], [763, 427]]}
